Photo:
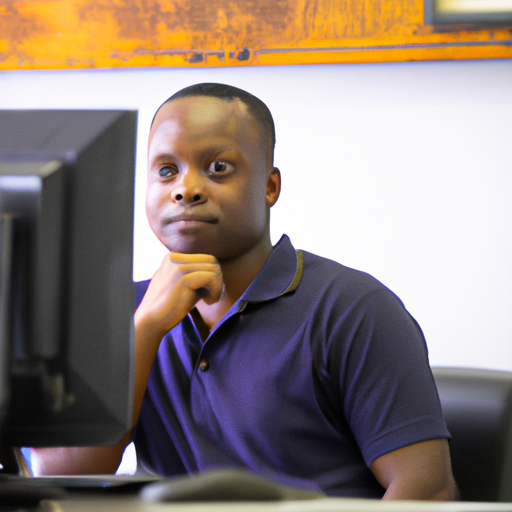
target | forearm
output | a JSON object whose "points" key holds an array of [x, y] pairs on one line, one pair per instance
{"points": [[421, 489], [77, 461], [420, 471], [147, 341]]}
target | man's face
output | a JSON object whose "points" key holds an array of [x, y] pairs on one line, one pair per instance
{"points": [[211, 181]]}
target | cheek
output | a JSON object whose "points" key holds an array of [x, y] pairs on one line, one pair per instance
{"points": [[251, 205], [153, 203]]}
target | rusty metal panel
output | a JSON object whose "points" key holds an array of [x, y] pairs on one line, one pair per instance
{"points": [[58, 34]]}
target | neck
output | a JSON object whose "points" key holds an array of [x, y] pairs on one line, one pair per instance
{"points": [[237, 273]]}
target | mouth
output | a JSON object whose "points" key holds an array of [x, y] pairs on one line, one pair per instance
{"points": [[186, 218]]}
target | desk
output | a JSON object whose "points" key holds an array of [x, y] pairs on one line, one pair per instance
{"points": [[134, 504]]}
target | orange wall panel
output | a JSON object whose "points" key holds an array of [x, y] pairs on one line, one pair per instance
{"points": [[57, 34]]}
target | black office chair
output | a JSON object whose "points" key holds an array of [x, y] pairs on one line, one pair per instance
{"points": [[477, 406]]}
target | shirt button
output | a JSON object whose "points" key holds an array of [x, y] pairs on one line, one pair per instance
{"points": [[204, 366]]}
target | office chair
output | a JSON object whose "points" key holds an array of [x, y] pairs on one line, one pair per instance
{"points": [[477, 406]]}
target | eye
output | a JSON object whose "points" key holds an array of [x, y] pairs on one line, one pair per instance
{"points": [[220, 167], [166, 171]]}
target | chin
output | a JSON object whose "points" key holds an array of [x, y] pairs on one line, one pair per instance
{"points": [[190, 246], [222, 248]]}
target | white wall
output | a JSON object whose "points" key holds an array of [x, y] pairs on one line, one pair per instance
{"points": [[402, 170]]}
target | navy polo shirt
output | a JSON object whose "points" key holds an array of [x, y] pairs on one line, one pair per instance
{"points": [[315, 371]]}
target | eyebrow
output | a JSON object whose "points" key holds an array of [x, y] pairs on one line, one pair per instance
{"points": [[163, 157]]}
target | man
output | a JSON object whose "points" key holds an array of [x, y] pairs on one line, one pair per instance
{"points": [[263, 357]]}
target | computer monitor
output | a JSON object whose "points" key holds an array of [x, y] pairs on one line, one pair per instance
{"points": [[66, 293]]}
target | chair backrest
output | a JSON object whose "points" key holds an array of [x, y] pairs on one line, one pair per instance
{"points": [[477, 406]]}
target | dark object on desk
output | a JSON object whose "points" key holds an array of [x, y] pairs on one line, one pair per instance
{"points": [[17, 491], [224, 485], [92, 483], [477, 406]]}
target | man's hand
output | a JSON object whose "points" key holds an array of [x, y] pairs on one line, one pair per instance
{"points": [[180, 282]]}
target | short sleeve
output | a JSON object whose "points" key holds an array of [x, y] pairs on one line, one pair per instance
{"points": [[382, 374]]}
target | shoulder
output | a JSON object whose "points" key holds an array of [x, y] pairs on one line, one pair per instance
{"points": [[352, 312], [332, 279]]}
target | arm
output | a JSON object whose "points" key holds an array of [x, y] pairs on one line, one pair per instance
{"points": [[390, 400], [180, 282], [420, 471]]}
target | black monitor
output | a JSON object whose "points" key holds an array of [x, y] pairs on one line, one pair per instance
{"points": [[66, 293]]}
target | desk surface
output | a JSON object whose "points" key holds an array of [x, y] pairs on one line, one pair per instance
{"points": [[134, 504]]}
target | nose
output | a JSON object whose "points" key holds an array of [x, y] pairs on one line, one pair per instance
{"points": [[189, 188]]}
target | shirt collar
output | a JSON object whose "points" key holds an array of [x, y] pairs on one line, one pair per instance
{"points": [[280, 275]]}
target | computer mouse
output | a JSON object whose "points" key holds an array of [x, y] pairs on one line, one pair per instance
{"points": [[223, 485]]}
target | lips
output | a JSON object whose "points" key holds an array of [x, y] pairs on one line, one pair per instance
{"points": [[208, 219]]}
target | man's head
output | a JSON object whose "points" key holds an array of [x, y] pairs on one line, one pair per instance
{"points": [[255, 106], [211, 181]]}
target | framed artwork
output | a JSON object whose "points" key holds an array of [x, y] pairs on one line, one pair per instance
{"points": [[469, 13]]}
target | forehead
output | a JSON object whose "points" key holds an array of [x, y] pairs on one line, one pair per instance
{"points": [[202, 117]]}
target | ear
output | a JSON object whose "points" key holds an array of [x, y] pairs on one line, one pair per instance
{"points": [[273, 187]]}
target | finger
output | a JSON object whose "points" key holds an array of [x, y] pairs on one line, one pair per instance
{"points": [[213, 292], [206, 285], [180, 258], [169, 272]]}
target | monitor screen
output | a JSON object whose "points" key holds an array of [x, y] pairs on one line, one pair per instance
{"points": [[66, 292]]}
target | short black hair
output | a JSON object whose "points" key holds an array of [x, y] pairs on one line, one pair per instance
{"points": [[256, 107]]}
